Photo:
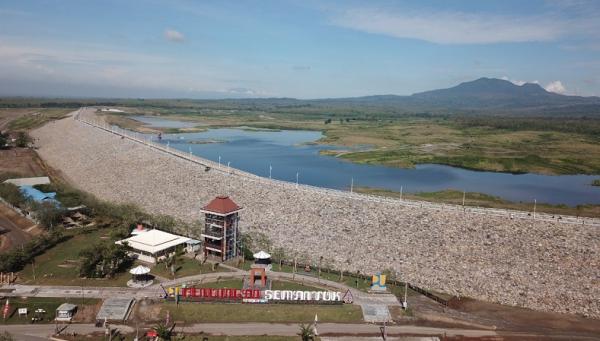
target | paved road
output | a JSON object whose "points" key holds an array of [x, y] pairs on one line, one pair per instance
{"points": [[42, 331]]}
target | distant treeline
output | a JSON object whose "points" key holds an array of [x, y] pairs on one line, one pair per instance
{"points": [[580, 125]]}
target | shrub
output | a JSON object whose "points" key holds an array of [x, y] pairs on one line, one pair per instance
{"points": [[12, 194], [22, 139]]}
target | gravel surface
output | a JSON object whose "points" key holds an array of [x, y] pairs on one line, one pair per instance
{"points": [[544, 265]]}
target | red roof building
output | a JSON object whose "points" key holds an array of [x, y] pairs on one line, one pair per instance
{"points": [[221, 205], [221, 235]]}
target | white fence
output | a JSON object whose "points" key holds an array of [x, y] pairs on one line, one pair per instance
{"points": [[214, 166]]}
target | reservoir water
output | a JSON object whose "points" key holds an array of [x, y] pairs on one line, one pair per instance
{"points": [[290, 151]]}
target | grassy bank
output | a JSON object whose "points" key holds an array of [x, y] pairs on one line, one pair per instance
{"points": [[483, 200], [218, 312], [36, 118]]}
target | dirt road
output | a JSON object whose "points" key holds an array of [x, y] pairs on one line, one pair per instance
{"points": [[17, 229]]}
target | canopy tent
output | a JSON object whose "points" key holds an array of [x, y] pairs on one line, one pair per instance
{"points": [[140, 270], [140, 277], [261, 255]]}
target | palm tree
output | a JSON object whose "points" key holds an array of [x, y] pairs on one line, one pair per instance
{"points": [[163, 332], [306, 332]]}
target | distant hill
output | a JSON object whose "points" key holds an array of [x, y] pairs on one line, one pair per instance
{"points": [[498, 93], [483, 95]]}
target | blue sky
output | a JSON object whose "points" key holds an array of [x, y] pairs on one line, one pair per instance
{"points": [[302, 49]]}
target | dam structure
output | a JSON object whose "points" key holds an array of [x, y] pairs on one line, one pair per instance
{"points": [[509, 257]]}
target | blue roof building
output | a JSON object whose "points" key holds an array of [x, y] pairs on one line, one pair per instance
{"points": [[37, 195]]}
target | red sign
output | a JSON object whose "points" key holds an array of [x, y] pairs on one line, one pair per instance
{"points": [[6, 308], [210, 293]]}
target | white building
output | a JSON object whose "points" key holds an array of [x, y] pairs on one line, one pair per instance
{"points": [[153, 245]]}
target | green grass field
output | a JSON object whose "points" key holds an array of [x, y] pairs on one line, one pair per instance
{"points": [[47, 304], [59, 265], [186, 267], [301, 313]]}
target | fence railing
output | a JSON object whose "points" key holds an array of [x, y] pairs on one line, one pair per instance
{"points": [[226, 170]]}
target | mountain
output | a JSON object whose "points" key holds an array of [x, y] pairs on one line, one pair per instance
{"points": [[483, 94], [497, 93]]}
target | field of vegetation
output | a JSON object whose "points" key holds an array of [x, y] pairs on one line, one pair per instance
{"points": [[218, 312], [514, 141], [547, 145], [483, 200]]}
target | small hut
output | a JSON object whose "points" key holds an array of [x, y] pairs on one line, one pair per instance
{"points": [[65, 312]]}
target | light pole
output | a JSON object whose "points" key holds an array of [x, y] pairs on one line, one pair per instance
{"points": [[219, 161], [297, 174], [534, 207], [352, 185], [270, 170]]}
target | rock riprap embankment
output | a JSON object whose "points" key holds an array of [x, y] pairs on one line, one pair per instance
{"points": [[541, 265]]}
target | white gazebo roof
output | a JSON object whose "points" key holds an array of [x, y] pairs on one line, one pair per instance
{"points": [[139, 270], [154, 241], [261, 255]]}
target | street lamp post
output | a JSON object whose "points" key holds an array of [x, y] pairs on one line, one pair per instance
{"points": [[297, 174]]}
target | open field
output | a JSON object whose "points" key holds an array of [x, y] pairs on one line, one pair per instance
{"points": [[483, 200], [29, 118], [23, 162], [219, 312], [548, 267], [86, 309], [185, 267], [409, 140], [60, 264]]}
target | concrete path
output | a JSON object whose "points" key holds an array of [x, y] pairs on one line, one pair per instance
{"points": [[232, 329], [255, 329]]}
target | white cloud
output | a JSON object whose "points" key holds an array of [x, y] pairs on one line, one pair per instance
{"points": [[174, 36], [451, 27], [556, 86]]}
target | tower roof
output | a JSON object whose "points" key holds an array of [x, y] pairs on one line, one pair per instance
{"points": [[221, 205]]}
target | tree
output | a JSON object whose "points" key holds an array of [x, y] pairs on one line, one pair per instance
{"points": [[103, 260], [48, 214], [12, 194], [22, 139], [306, 332], [3, 140]]}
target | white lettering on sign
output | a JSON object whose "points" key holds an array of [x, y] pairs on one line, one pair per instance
{"points": [[289, 295]]}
